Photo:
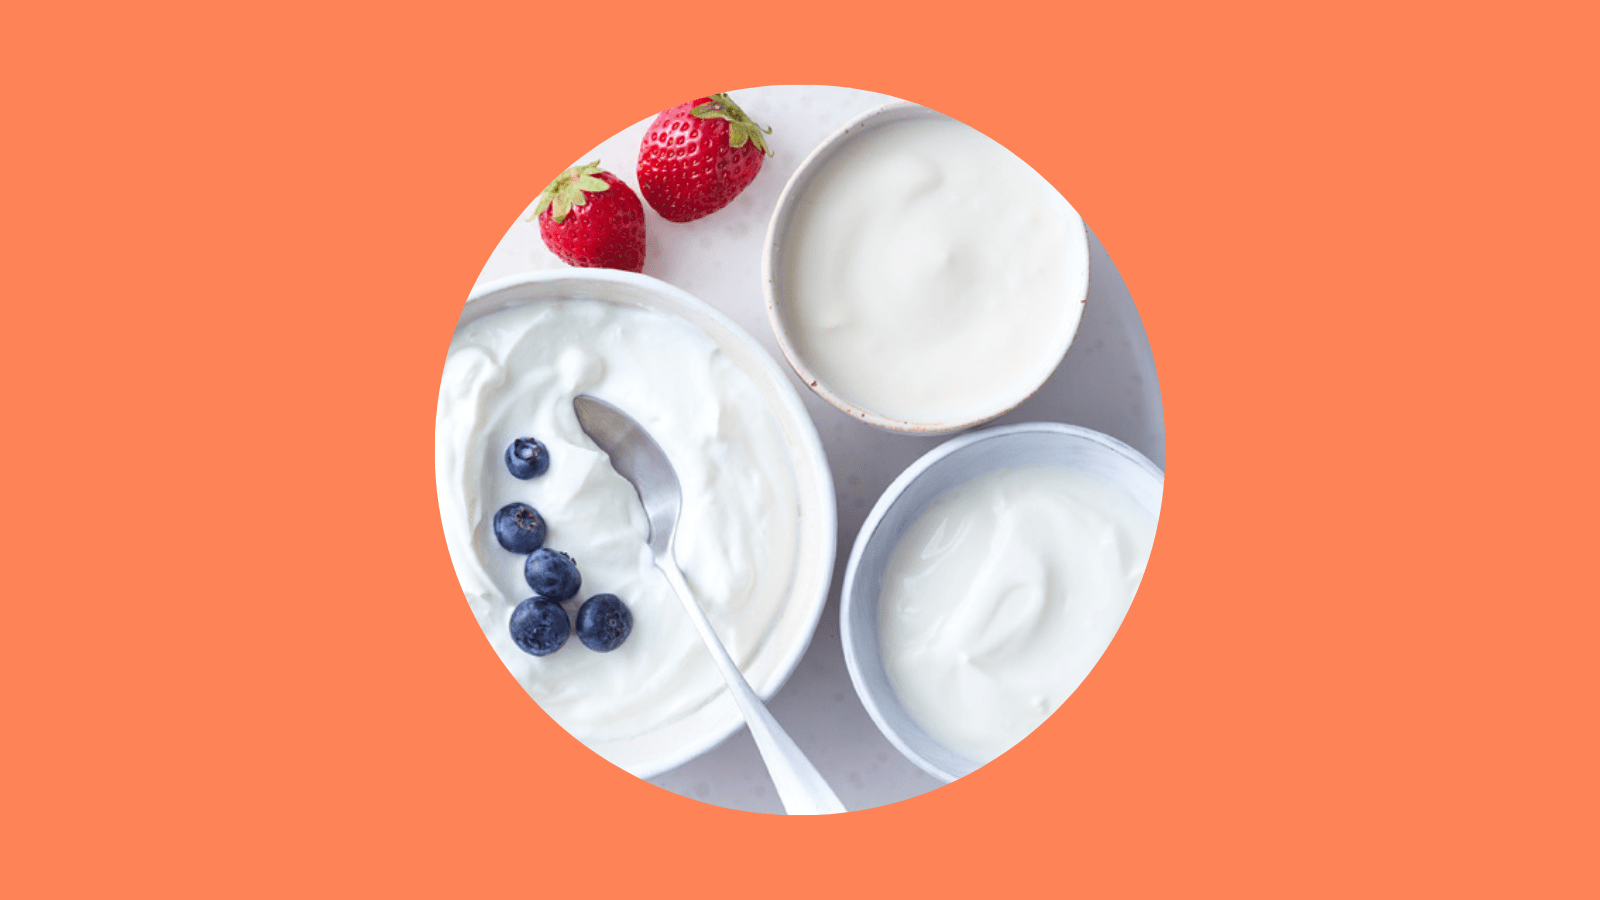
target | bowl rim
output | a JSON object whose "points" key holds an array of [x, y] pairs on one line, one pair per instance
{"points": [[777, 225], [805, 430], [886, 502]]}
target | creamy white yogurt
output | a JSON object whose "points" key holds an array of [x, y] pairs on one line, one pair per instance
{"points": [[931, 276], [1001, 596], [514, 373]]}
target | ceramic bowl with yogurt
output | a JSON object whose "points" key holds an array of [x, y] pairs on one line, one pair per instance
{"points": [[757, 532], [921, 277], [914, 689]]}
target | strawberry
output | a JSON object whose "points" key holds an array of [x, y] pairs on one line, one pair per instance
{"points": [[698, 156], [591, 218]]}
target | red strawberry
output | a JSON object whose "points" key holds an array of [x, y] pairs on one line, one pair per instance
{"points": [[591, 218], [697, 157]]}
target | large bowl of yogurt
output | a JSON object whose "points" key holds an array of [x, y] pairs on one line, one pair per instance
{"points": [[988, 580], [757, 530], [920, 276]]}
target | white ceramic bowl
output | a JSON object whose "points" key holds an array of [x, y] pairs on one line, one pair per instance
{"points": [[947, 466], [794, 198], [665, 748]]}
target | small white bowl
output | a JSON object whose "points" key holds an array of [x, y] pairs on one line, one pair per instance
{"points": [[945, 467], [794, 198], [666, 748]]}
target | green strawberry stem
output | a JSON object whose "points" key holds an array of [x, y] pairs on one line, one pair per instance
{"points": [[567, 191], [741, 130]]}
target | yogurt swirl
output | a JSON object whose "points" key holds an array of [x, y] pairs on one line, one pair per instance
{"points": [[1001, 596], [513, 373], [930, 275]]}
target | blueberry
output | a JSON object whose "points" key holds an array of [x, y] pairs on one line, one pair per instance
{"points": [[527, 458], [552, 574], [519, 528], [539, 626], [604, 622]]}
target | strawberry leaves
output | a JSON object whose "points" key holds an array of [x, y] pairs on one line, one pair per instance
{"points": [[741, 130], [568, 191]]}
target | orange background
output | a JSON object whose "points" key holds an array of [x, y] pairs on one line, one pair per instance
{"points": [[236, 660]]}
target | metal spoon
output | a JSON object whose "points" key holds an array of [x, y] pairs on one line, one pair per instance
{"points": [[637, 457]]}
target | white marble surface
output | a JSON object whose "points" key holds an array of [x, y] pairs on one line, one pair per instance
{"points": [[1107, 383]]}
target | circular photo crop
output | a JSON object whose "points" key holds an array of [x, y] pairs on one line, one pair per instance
{"points": [[799, 450]]}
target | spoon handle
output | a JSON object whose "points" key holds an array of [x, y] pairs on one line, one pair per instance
{"points": [[800, 786]]}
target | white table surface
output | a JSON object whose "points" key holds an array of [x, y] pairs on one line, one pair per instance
{"points": [[1107, 382]]}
